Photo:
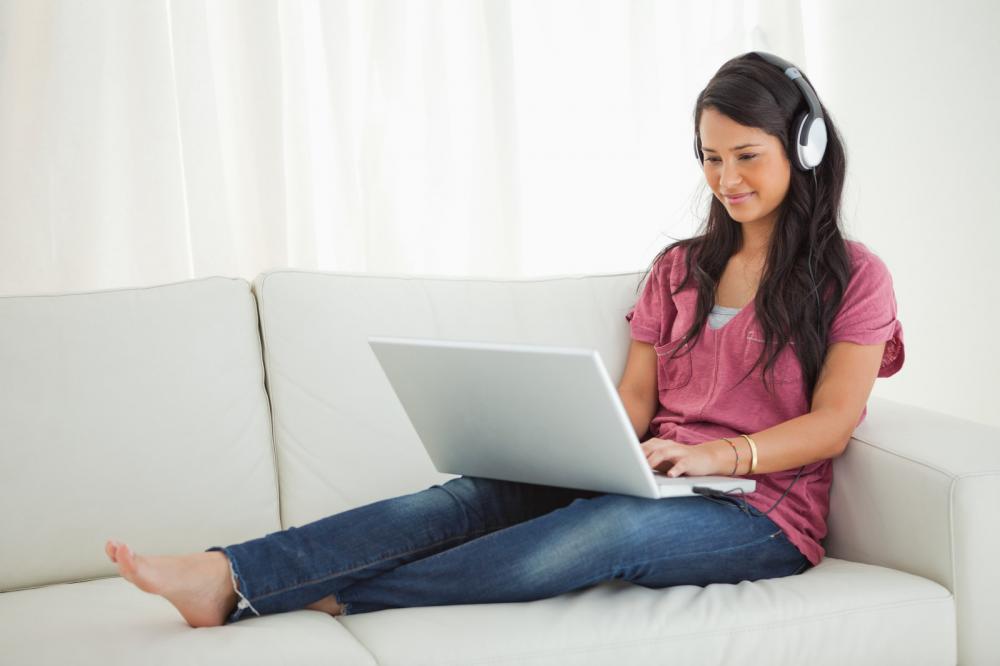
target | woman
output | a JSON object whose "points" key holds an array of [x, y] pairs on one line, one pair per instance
{"points": [[755, 347]]}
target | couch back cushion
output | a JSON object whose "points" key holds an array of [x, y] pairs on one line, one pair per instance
{"points": [[342, 438], [135, 414]]}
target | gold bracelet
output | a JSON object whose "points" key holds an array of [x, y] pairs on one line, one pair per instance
{"points": [[737, 455], [753, 451]]}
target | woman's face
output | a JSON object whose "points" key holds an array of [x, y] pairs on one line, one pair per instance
{"points": [[747, 161]]}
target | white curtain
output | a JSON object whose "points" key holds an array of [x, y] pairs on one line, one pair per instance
{"points": [[148, 142]]}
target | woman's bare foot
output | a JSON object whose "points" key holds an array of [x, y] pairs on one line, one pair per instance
{"points": [[327, 605], [198, 585]]}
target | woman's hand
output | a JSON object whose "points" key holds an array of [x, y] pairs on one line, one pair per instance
{"points": [[676, 459]]}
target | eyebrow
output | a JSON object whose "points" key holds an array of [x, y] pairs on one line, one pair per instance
{"points": [[745, 145]]}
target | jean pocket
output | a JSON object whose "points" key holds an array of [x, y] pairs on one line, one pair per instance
{"points": [[673, 364]]}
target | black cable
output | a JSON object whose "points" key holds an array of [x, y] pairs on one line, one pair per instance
{"points": [[812, 242], [819, 313], [710, 492]]}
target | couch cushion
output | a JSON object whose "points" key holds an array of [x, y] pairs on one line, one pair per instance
{"points": [[136, 414], [109, 622], [342, 438], [836, 613]]}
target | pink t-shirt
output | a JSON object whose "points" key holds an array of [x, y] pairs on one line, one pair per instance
{"points": [[701, 397]]}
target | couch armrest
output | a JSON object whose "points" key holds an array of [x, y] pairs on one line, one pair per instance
{"points": [[919, 491]]}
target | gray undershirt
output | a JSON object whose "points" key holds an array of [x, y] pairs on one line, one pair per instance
{"points": [[720, 316]]}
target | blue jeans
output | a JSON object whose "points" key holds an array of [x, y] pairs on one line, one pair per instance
{"points": [[474, 540]]}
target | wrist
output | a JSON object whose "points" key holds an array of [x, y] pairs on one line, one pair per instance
{"points": [[734, 461], [751, 453], [724, 457]]}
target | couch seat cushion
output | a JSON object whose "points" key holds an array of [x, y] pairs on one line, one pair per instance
{"points": [[108, 622], [837, 613]]}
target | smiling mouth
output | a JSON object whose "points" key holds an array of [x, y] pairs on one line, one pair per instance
{"points": [[738, 198]]}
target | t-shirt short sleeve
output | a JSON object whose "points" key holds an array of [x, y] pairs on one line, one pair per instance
{"points": [[655, 310], [867, 314]]}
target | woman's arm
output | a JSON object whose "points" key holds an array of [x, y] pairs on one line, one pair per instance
{"points": [[845, 382], [637, 388]]}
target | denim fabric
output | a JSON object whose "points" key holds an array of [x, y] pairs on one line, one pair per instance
{"points": [[474, 540]]}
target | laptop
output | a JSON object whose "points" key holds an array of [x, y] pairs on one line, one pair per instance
{"points": [[535, 414]]}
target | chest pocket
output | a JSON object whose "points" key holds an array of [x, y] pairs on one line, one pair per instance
{"points": [[672, 373], [787, 369]]}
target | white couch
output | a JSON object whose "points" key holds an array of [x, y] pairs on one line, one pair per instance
{"points": [[212, 411]]}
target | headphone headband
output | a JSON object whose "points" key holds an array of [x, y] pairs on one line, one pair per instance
{"points": [[792, 72], [809, 128]]}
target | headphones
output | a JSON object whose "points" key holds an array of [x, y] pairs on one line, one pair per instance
{"points": [[809, 128]]}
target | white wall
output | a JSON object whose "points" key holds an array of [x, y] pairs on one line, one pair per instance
{"points": [[914, 89], [912, 86]]}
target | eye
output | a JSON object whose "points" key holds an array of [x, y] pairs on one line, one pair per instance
{"points": [[744, 157]]}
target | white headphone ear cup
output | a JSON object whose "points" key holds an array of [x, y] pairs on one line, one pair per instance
{"points": [[817, 143], [810, 141], [801, 137]]}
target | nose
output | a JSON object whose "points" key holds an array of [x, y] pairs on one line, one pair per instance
{"points": [[729, 176]]}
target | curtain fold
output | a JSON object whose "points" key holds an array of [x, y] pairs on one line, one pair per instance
{"points": [[146, 143]]}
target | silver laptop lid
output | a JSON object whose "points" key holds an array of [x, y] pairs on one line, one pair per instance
{"points": [[536, 414]]}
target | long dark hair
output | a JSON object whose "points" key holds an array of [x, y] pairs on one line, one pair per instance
{"points": [[788, 306]]}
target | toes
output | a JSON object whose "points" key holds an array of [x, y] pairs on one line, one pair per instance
{"points": [[126, 560], [109, 550]]}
